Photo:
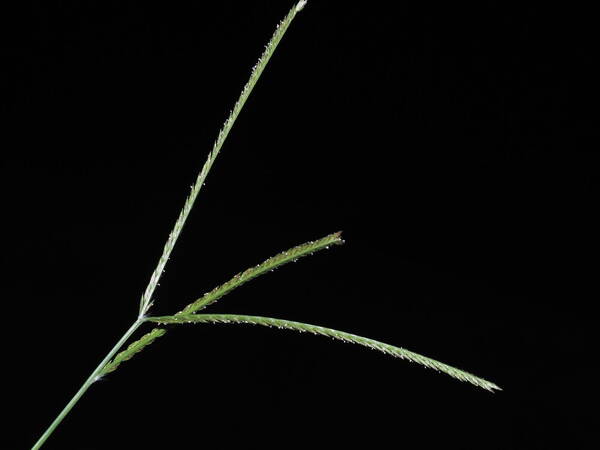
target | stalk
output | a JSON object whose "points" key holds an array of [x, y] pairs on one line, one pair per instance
{"points": [[86, 385]]}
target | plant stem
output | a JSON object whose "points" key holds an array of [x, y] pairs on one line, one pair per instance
{"points": [[91, 379], [146, 300]]}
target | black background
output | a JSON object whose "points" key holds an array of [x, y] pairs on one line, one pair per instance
{"points": [[455, 145]]}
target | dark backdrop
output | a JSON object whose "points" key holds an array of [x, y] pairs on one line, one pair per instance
{"points": [[454, 144]]}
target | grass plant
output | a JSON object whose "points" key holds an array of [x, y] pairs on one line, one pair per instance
{"points": [[191, 313]]}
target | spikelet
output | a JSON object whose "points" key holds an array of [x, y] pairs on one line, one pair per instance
{"points": [[335, 334], [270, 264], [132, 349], [257, 70]]}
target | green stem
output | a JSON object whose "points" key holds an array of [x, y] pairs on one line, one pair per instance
{"points": [[91, 379]]}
